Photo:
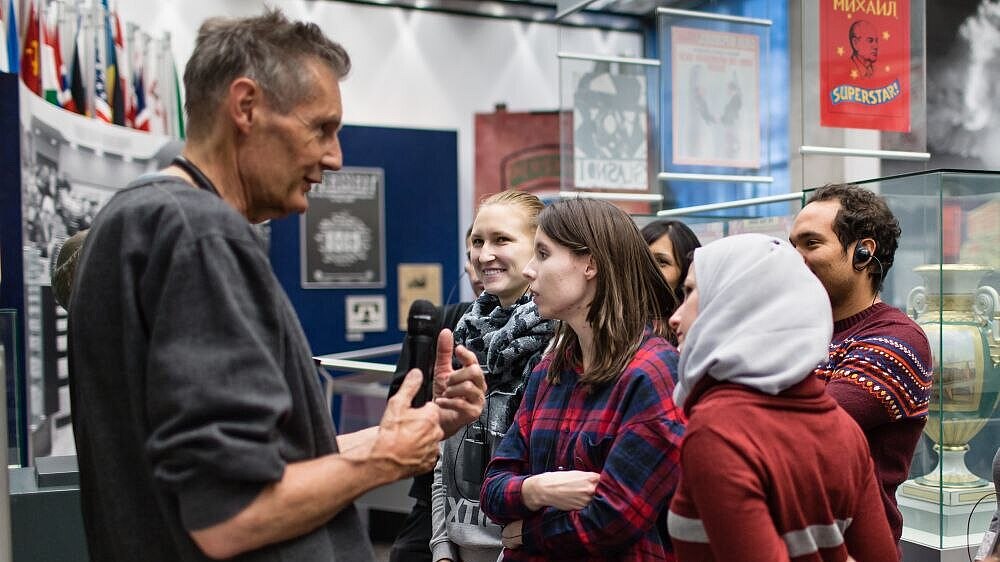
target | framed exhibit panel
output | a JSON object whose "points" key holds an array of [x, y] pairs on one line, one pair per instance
{"points": [[342, 232], [714, 111], [517, 150], [607, 130], [863, 83]]}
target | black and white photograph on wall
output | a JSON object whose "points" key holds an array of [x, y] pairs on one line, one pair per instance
{"points": [[71, 166], [342, 233], [963, 84], [610, 127], [716, 110]]}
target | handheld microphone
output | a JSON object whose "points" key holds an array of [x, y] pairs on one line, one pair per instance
{"points": [[422, 327]]}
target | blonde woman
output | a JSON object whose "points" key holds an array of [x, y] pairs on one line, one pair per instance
{"points": [[508, 336]]}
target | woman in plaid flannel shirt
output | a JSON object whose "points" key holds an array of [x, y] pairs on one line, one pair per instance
{"points": [[592, 458]]}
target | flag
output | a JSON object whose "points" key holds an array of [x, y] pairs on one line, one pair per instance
{"points": [[30, 63], [65, 95], [129, 72], [141, 121], [111, 77], [50, 65], [55, 83], [154, 86], [140, 118], [77, 89], [119, 64], [178, 117], [102, 105], [10, 59]]}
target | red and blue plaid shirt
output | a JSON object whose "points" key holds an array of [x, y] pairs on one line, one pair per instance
{"points": [[628, 431]]}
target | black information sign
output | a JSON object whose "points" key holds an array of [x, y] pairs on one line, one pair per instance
{"points": [[343, 231]]}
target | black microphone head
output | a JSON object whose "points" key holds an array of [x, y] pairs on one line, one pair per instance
{"points": [[424, 319]]}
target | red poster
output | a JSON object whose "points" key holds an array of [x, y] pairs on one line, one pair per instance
{"points": [[520, 150], [865, 64], [517, 150]]}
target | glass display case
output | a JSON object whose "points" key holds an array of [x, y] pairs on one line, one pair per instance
{"points": [[767, 215], [946, 276]]}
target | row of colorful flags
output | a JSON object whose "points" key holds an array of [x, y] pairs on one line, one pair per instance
{"points": [[75, 55]]}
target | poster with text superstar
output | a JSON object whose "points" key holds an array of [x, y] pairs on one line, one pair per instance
{"points": [[716, 106], [865, 64]]}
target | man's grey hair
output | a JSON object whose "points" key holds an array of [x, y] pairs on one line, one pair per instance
{"points": [[269, 48]]}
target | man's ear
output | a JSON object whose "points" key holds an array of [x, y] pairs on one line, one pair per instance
{"points": [[244, 98]]}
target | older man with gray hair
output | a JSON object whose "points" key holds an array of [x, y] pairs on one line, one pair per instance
{"points": [[200, 425]]}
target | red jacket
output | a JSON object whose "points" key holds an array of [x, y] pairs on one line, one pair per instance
{"points": [[776, 478]]}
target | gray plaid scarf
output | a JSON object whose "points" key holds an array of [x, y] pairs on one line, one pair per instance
{"points": [[507, 341]]}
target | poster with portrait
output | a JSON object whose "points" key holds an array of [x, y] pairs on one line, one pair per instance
{"points": [[716, 106], [342, 232], [610, 128], [865, 64]]}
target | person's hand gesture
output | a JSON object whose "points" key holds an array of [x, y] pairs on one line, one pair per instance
{"points": [[408, 437], [568, 490], [460, 393]]}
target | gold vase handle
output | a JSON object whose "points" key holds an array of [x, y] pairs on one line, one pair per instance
{"points": [[985, 307]]}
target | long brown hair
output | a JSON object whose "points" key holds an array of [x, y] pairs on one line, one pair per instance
{"points": [[630, 294]]}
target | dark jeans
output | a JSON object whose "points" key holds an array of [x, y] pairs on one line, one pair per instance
{"points": [[413, 542]]}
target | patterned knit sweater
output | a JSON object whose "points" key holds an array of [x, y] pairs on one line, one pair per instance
{"points": [[879, 371]]}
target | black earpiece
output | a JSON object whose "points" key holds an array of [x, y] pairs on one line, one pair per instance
{"points": [[862, 255]]}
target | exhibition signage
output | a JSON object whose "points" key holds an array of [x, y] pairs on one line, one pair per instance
{"points": [[865, 64], [517, 150], [610, 128], [342, 230], [715, 103]]}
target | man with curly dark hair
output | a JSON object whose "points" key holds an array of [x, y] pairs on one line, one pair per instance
{"points": [[879, 365]]}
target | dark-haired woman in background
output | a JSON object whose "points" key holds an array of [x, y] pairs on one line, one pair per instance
{"points": [[672, 244]]}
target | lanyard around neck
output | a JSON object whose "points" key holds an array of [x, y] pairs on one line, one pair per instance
{"points": [[199, 177]]}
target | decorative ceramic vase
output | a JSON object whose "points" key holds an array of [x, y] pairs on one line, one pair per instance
{"points": [[960, 318]]}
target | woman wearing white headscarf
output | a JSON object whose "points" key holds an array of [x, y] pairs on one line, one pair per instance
{"points": [[772, 468]]}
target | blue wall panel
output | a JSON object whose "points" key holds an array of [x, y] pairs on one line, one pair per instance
{"points": [[421, 226], [11, 262]]}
